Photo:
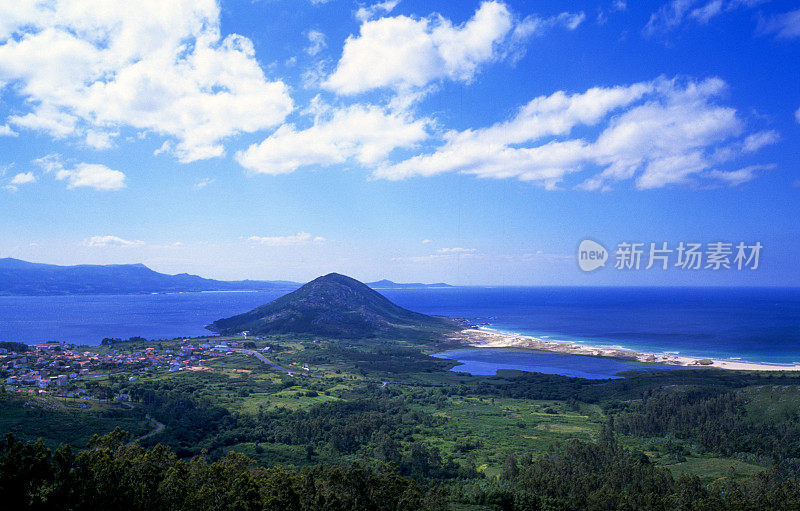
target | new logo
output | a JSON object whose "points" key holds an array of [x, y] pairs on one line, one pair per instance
{"points": [[591, 255]]}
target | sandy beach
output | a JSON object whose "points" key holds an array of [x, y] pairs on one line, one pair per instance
{"points": [[486, 338]]}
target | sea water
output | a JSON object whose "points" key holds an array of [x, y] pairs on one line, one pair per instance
{"points": [[758, 325]]}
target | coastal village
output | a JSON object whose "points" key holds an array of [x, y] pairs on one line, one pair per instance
{"points": [[56, 368]]}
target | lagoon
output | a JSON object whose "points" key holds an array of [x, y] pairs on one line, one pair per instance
{"points": [[486, 361]]}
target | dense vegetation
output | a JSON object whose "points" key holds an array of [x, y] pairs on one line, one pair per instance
{"points": [[336, 306], [14, 346], [30, 418], [111, 475], [377, 424], [716, 421], [604, 476], [573, 476], [108, 341]]}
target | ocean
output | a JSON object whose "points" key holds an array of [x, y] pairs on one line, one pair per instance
{"points": [[756, 325]]}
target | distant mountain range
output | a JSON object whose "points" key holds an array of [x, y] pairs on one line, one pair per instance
{"points": [[23, 278], [388, 284], [19, 277], [338, 306]]}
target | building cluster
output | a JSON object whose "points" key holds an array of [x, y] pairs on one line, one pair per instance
{"points": [[52, 367]]}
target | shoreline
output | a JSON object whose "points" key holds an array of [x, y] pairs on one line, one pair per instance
{"points": [[487, 338]]}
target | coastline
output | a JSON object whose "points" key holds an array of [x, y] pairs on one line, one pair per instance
{"points": [[487, 338]]}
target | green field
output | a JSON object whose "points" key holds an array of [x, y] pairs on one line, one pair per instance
{"points": [[384, 396], [711, 469], [58, 421]]}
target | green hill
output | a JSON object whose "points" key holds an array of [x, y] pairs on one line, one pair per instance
{"points": [[337, 306]]}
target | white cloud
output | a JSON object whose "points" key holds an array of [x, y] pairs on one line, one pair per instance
{"points": [[19, 180], [164, 148], [568, 20], [100, 139], [367, 13], [670, 169], [48, 119], [669, 16], [674, 13], [6, 131], [797, 115], [92, 175], [426, 241], [443, 254], [301, 238], [313, 76], [86, 68], [534, 25], [364, 133], [23, 178], [204, 182], [403, 52], [756, 141], [659, 132], [111, 241], [704, 13], [49, 163], [456, 250], [317, 42], [737, 177], [784, 26]]}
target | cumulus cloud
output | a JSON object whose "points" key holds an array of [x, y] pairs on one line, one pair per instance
{"points": [[662, 132], [783, 26], [316, 41], [86, 68], [100, 139], [48, 119], [406, 52], [111, 241], [90, 175], [676, 12], [365, 13], [364, 133], [6, 131], [23, 178], [301, 238]]}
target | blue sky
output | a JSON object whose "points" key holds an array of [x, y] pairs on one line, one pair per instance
{"points": [[467, 142]]}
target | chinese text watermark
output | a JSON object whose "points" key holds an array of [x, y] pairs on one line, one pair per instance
{"points": [[717, 255]]}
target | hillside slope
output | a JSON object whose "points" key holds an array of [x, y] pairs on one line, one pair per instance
{"points": [[334, 305]]}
